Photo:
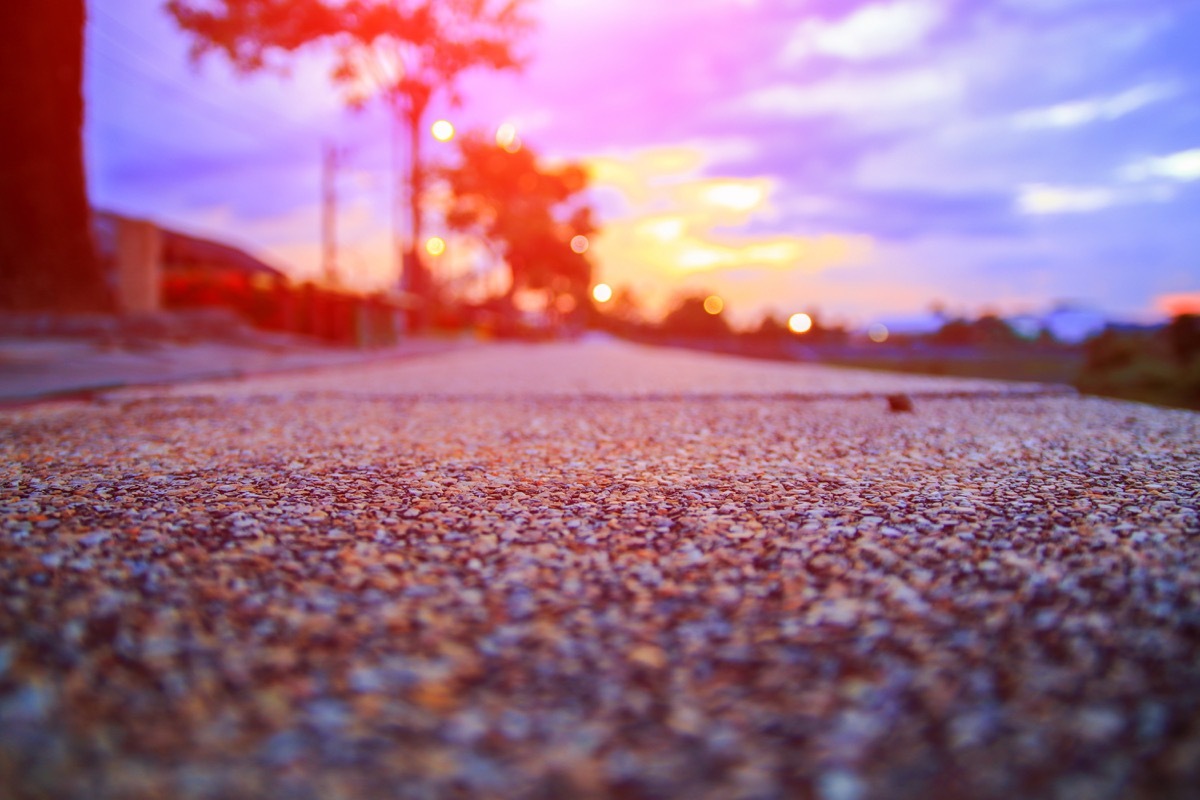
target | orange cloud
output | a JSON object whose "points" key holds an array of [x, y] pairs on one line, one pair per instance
{"points": [[679, 231]]}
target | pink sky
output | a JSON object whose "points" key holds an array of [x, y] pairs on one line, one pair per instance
{"points": [[863, 159]]}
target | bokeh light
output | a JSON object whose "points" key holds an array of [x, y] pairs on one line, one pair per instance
{"points": [[713, 304], [878, 332], [442, 130], [602, 293], [564, 304], [579, 244], [506, 137], [435, 246], [800, 323]]}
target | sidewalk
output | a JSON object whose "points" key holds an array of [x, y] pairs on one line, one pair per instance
{"points": [[43, 367]]}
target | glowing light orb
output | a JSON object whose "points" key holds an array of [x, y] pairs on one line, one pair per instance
{"points": [[799, 323], [435, 246], [580, 244], [442, 130], [878, 333], [714, 305], [602, 293], [507, 139]]}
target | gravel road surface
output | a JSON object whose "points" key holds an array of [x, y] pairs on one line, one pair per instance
{"points": [[595, 571]]}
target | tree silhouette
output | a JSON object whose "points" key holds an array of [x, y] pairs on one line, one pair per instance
{"points": [[689, 320], [530, 213], [46, 256], [404, 51], [1183, 337]]}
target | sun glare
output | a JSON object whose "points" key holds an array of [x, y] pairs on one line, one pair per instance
{"points": [[800, 323], [435, 245], [663, 229], [602, 293], [713, 304], [734, 196], [442, 130]]}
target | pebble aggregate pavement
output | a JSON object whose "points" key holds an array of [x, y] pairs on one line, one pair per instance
{"points": [[595, 570]]}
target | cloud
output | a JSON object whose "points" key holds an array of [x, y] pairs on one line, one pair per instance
{"points": [[872, 32], [898, 99], [731, 197], [1037, 199], [1052, 6], [1083, 112], [1182, 166], [906, 214], [678, 230]]}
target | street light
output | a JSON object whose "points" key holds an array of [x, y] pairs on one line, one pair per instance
{"points": [[800, 323]]}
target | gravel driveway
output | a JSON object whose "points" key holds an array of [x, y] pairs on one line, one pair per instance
{"points": [[598, 571]]}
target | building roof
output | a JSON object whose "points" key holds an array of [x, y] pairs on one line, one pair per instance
{"points": [[181, 250]]}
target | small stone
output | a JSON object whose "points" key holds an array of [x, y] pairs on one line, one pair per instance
{"points": [[840, 784]]}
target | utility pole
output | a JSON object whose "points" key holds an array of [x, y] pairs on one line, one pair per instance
{"points": [[403, 276], [329, 164]]}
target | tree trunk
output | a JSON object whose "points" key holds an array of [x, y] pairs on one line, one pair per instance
{"points": [[47, 262]]}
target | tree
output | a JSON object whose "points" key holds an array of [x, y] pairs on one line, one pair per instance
{"points": [[47, 262], [530, 213], [405, 52], [1183, 337], [771, 329], [690, 319]]}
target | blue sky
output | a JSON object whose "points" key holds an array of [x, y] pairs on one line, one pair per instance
{"points": [[862, 159]]}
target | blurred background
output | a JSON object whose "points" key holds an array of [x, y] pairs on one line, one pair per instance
{"points": [[917, 184]]}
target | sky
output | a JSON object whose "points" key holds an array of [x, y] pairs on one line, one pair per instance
{"points": [[863, 160]]}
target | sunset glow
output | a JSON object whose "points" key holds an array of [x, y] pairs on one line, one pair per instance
{"points": [[602, 293], [1183, 303]]}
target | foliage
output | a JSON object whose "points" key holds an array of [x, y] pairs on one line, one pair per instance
{"points": [[771, 329], [393, 47], [405, 51], [987, 331], [527, 211], [1152, 365], [689, 320], [1183, 337]]}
